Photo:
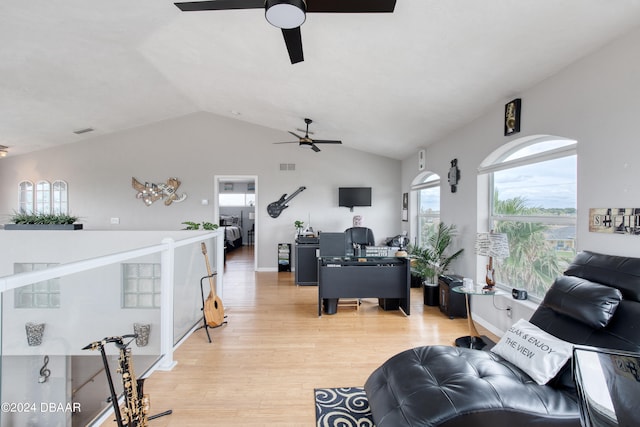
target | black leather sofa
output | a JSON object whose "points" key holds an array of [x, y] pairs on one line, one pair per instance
{"points": [[596, 303]]}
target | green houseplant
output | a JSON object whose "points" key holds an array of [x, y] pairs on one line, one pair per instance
{"points": [[33, 221], [190, 225], [434, 258]]}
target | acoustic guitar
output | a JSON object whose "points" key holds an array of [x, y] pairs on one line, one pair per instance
{"points": [[275, 209], [213, 308]]}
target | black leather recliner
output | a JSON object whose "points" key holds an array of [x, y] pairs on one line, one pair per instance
{"points": [[456, 387]]}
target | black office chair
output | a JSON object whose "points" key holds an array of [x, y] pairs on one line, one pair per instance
{"points": [[362, 236]]}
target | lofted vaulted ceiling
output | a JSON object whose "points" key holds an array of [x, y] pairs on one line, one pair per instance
{"points": [[383, 83]]}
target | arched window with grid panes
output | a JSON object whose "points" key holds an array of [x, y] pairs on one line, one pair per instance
{"points": [[59, 202], [43, 198], [25, 197]]}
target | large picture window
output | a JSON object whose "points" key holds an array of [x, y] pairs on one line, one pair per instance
{"points": [[428, 192], [533, 200]]}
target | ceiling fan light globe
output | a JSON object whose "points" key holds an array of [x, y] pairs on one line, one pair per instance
{"points": [[285, 14]]}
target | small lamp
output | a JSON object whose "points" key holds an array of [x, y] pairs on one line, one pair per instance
{"points": [[492, 245], [3, 151]]}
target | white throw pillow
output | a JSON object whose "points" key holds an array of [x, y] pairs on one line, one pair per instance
{"points": [[538, 353]]}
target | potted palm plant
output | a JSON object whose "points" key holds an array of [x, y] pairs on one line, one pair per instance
{"points": [[434, 259]]}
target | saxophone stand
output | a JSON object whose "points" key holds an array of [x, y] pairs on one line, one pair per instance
{"points": [[112, 391], [205, 325]]}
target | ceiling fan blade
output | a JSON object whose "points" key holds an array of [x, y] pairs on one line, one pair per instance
{"points": [[288, 142], [192, 6], [352, 6], [314, 148], [326, 141], [296, 135], [293, 40]]}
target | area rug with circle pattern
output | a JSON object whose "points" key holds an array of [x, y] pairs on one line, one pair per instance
{"points": [[342, 407]]}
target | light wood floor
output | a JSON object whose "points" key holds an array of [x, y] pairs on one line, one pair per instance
{"points": [[263, 365]]}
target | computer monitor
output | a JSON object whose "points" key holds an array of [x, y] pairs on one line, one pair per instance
{"points": [[332, 244]]}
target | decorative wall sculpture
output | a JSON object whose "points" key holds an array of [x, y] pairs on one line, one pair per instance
{"points": [[150, 192], [615, 220]]}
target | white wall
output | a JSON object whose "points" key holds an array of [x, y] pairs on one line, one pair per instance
{"points": [[196, 148], [594, 101]]}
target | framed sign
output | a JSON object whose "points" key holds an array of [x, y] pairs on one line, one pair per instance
{"points": [[615, 220], [512, 112]]}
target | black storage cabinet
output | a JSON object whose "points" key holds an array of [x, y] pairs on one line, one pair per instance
{"points": [[307, 263], [452, 304]]}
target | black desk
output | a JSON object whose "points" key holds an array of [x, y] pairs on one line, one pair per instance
{"points": [[385, 278]]}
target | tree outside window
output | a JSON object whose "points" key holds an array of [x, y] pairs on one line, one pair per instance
{"points": [[428, 207], [533, 191]]}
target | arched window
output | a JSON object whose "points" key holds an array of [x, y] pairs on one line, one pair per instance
{"points": [[532, 198], [60, 202], [25, 197], [43, 198], [428, 199]]}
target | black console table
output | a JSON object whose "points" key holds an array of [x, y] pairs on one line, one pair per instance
{"points": [[385, 278]]}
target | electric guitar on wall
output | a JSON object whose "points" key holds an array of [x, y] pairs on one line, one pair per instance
{"points": [[275, 209], [213, 308]]}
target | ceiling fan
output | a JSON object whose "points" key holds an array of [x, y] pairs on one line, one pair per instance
{"points": [[289, 15], [306, 141]]}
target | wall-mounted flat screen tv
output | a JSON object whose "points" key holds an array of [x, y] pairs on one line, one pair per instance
{"points": [[354, 196]]}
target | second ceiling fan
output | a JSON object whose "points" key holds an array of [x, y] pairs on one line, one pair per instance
{"points": [[306, 141], [289, 15]]}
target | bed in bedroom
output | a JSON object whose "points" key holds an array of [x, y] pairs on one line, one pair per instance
{"points": [[232, 232]]}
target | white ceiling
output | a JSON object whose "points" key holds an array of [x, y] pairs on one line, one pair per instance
{"points": [[384, 83]]}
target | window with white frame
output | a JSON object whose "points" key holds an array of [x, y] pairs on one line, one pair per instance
{"points": [[532, 191], [45, 294], [25, 197], [59, 201], [237, 199], [43, 198], [428, 197], [141, 285]]}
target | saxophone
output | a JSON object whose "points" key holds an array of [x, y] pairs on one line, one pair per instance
{"points": [[136, 406]]}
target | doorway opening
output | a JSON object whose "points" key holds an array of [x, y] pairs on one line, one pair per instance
{"points": [[236, 198]]}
